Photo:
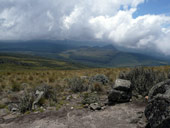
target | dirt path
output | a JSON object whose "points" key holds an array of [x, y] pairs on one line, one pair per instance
{"points": [[118, 116]]}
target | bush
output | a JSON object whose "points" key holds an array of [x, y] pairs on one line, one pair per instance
{"points": [[96, 86], [26, 102], [2, 106], [99, 78], [143, 79], [49, 92], [89, 98], [77, 84], [16, 87]]}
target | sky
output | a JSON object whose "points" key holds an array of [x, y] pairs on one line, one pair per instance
{"points": [[138, 24]]}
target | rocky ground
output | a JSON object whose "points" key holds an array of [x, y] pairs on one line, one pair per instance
{"points": [[125, 115], [94, 105]]}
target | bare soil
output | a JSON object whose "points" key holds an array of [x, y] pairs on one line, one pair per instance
{"points": [[117, 116]]}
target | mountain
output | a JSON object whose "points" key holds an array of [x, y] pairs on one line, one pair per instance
{"points": [[108, 56], [81, 52]]}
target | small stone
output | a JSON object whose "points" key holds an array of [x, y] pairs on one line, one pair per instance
{"points": [[104, 107], [14, 109], [95, 106], [68, 98]]}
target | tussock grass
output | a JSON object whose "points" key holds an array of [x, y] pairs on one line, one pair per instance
{"points": [[59, 77]]}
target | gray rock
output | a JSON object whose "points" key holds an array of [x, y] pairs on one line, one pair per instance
{"points": [[121, 92], [119, 97], [14, 109], [95, 106], [160, 88], [39, 95], [122, 85], [157, 111]]}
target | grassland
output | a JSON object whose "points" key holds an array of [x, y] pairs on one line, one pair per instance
{"points": [[21, 61], [58, 77], [62, 88]]}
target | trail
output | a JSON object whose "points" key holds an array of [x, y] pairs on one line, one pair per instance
{"points": [[118, 116]]}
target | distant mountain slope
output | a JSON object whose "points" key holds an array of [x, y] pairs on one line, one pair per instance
{"points": [[79, 52], [110, 57], [22, 61]]}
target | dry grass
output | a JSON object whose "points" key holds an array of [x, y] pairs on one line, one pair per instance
{"points": [[13, 83], [59, 77]]}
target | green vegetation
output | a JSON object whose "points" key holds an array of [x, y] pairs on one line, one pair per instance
{"points": [[143, 79], [109, 57], [22, 61], [71, 87], [77, 84], [70, 55]]}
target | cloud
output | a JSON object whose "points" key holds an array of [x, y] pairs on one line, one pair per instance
{"points": [[106, 20]]}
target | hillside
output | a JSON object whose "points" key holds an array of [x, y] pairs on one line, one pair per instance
{"points": [[24, 61], [108, 56], [91, 54]]}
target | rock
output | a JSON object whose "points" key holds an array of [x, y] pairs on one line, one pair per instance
{"points": [[39, 95], [160, 88], [69, 97], [157, 111], [14, 109], [121, 92], [122, 85], [95, 106], [118, 97]]}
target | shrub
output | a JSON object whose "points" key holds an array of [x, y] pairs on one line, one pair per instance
{"points": [[99, 78], [26, 102], [96, 86], [16, 87], [51, 80], [77, 84], [2, 106], [142, 79], [49, 92], [89, 98]]}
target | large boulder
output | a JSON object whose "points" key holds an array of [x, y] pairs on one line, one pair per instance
{"points": [[122, 85], [157, 111], [121, 92]]}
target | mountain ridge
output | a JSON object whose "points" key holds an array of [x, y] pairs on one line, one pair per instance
{"points": [[91, 55]]}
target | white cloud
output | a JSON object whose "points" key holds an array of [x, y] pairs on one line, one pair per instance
{"points": [[72, 18], [87, 20]]}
